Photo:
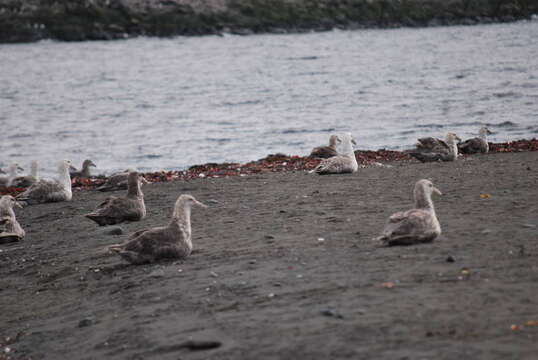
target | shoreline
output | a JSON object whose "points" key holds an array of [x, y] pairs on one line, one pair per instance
{"points": [[284, 266], [277, 163], [34, 20]]}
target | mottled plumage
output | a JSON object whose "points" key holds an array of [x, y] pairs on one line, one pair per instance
{"points": [[166, 242], [115, 210], [342, 163], [44, 191], [84, 172], [419, 225], [10, 229], [430, 149], [476, 145], [115, 182], [325, 152]]}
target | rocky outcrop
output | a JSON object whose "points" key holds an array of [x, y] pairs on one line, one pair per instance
{"points": [[31, 20]]}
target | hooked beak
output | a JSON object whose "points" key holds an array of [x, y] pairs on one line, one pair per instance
{"points": [[143, 180], [18, 204], [489, 132], [72, 168], [200, 204], [338, 139], [20, 168], [437, 191], [92, 164], [457, 138], [353, 141]]}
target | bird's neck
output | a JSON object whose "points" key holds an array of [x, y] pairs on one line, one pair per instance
{"points": [[134, 189], [423, 201], [65, 177], [182, 217]]}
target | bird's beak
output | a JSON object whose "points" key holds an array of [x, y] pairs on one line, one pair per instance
{"points": [[338, 139], [18, 204], [92, 164], [458, 138], [200, 204], [353, 141], [143, 180], [437, 191], [72, 168], [20, 168], [489, 132]]}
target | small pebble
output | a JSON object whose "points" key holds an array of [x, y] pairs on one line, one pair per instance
{"points": [[213, 274], [85, 322], [450, 259]]}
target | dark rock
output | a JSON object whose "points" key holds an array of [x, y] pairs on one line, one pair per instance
{"points": [[331, 313], [112, 230], [86, 322], [450, 259]]}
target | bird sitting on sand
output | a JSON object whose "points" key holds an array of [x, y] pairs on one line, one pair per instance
{"points": [[476, 145], [10, 229], [44, 191], [343, 163], [28, 180], [415, 226], [7, 181], [115, 210], [325, 152], [84, 172], [166, 242], [117, 181], [430, 149]]}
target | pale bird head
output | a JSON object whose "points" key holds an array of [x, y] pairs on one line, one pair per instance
{"points": [[190, 200], [427, 187], [87, 163], [484, 131]]}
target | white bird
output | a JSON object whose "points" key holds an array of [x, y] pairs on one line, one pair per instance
{"points": [[166, 242], [477, 144], [418, 225], [44, 191], [345, 162]]}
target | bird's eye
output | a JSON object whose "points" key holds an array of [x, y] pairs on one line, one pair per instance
{"points": [[430, 185]]}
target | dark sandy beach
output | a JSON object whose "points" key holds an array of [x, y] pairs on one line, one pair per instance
{"points": [[284, 268]]}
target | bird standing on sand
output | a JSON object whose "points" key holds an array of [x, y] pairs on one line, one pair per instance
{"points": [[343, 163], [28, 180], [476, 145], [166, 242], [115, 210], [84, 172], [325, 152], [10, 229], [430, 149], [415, 226], [44, 191], [12, 174]]}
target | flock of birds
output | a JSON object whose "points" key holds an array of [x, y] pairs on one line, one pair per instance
{"points": [[173, 241]]}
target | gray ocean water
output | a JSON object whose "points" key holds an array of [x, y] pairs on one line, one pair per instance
{"points": [[155, 104]]}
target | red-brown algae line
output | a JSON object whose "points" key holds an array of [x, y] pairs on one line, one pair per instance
{"points": [[271, 163]]}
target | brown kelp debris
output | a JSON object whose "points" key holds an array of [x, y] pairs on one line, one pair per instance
{"points": [[273, 163]]}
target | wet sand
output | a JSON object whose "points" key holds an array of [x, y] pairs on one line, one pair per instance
{"points": [[263, 283]]}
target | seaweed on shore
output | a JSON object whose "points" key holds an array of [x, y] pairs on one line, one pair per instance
{"points": [[274, 163]]}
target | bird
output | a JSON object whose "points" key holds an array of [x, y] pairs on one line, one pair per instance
{"points": [[44, 191], [10, 229], [115, 210], [12, 174], [415, 226], [476, 145], [84, 172], [117, 181], [325, 152], [28, 180], [430, 149], [172, 241], [343, 163]]}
